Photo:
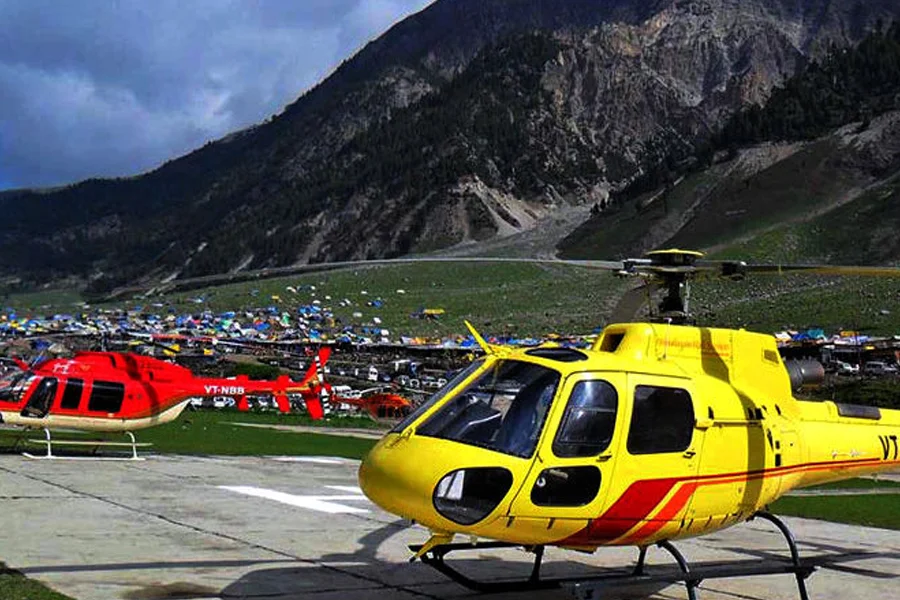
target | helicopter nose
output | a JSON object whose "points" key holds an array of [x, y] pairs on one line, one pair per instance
{"points": [[389, 477], [442, 493]]}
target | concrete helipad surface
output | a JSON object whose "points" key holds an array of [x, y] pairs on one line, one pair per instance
{"points": [[281, 528]]}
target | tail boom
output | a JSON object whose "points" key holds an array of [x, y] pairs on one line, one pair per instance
{"points": [[845, 441]]}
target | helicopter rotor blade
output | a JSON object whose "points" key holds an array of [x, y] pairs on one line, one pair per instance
{"points": [[865, 271], [735, 269], [632, 301]]}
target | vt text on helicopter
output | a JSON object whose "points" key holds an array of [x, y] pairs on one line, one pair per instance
{"points": [[660, 431], [125, 392]]}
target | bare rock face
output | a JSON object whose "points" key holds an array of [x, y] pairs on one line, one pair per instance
{"points": [[614, 95], [470, 120]]}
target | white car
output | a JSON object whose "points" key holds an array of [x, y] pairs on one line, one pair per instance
{"points": [[877, 367], [843, 368], [223, 402]]}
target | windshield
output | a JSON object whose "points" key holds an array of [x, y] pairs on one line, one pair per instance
{"points": [[439, 395], [503, 409], [12, 390]]}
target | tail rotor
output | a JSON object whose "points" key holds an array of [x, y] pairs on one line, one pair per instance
{"points": [[317, 396]]}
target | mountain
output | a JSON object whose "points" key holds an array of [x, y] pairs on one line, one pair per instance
{"points": [[471, 120], [808, 176]]}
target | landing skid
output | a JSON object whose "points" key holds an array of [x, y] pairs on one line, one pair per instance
{"points": [[95, 444], [590, 587]]}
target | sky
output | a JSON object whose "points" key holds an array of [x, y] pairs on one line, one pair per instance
{"points": [[105, 88]]}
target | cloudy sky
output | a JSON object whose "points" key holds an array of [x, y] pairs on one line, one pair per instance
{"points": [[116, 87]]}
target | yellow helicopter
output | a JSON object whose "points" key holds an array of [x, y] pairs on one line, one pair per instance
{"points": [[660, 431]]}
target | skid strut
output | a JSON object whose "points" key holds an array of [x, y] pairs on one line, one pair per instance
{"points": [[589, 587], [132, 444], [435, 558], [800, 571]]}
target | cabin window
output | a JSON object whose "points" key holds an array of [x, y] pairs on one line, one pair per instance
{"points": [[72, 394], [502, 410], [588, 423], [662, 420], [466, 496], [39, 404], [566, 486], [106, 396]]}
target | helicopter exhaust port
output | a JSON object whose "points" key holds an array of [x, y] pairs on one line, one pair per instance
{"points": [[804, 372]]}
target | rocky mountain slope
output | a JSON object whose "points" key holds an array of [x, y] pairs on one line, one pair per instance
{"points": [[471, 120], [832, 199]]}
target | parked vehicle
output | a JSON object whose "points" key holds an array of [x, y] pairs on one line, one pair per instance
{"points": [[345, 391], [223, 402], [264, 403], [843, 368], [877, 367]]}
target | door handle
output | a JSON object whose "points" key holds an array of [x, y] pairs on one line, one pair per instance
{"points": [[689, 454], [604, 457]]}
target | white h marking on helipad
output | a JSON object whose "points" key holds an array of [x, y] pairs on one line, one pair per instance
{"points": [[319, 503], [350, 489]]}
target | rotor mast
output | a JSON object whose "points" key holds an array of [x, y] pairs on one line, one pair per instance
{"points": [[672, 270]]}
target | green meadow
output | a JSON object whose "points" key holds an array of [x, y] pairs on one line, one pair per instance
{"points": [[232, 433], [501, 299], [15, 586]]}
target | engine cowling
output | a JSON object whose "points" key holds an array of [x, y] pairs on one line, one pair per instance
{"points": [[805, 372]]}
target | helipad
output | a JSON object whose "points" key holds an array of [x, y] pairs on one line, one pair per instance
{"points": [[283, 528]]}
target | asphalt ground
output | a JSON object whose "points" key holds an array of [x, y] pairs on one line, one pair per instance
{"points": [[285, 528]]}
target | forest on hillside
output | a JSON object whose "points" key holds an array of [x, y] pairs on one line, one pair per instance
{"points": [[849, 85]]}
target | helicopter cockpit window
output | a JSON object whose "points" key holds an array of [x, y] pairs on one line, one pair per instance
{"points": [[439, 395], [39, 403], [503, 409], [662, 420], [106, 396], [590, 418], [12, 390]]}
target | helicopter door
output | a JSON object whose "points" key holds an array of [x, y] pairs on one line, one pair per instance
{"points": [[41, 398], [655, 474], [741, 461], [567, 482]]}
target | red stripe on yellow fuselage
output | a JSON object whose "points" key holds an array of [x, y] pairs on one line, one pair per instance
{"points": [[631, 512]]}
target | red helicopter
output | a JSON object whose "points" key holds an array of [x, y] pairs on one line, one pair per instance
{"points": [[377, 402], [124, 392]]}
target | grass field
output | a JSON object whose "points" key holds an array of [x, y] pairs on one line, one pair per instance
{"points": [[217, 433], [773, 303], [517, 299], [15, 586], [858, 484], [531, 300], [870, 510]]}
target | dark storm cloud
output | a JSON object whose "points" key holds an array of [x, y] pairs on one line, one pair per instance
{"points": [[107, 88]]}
